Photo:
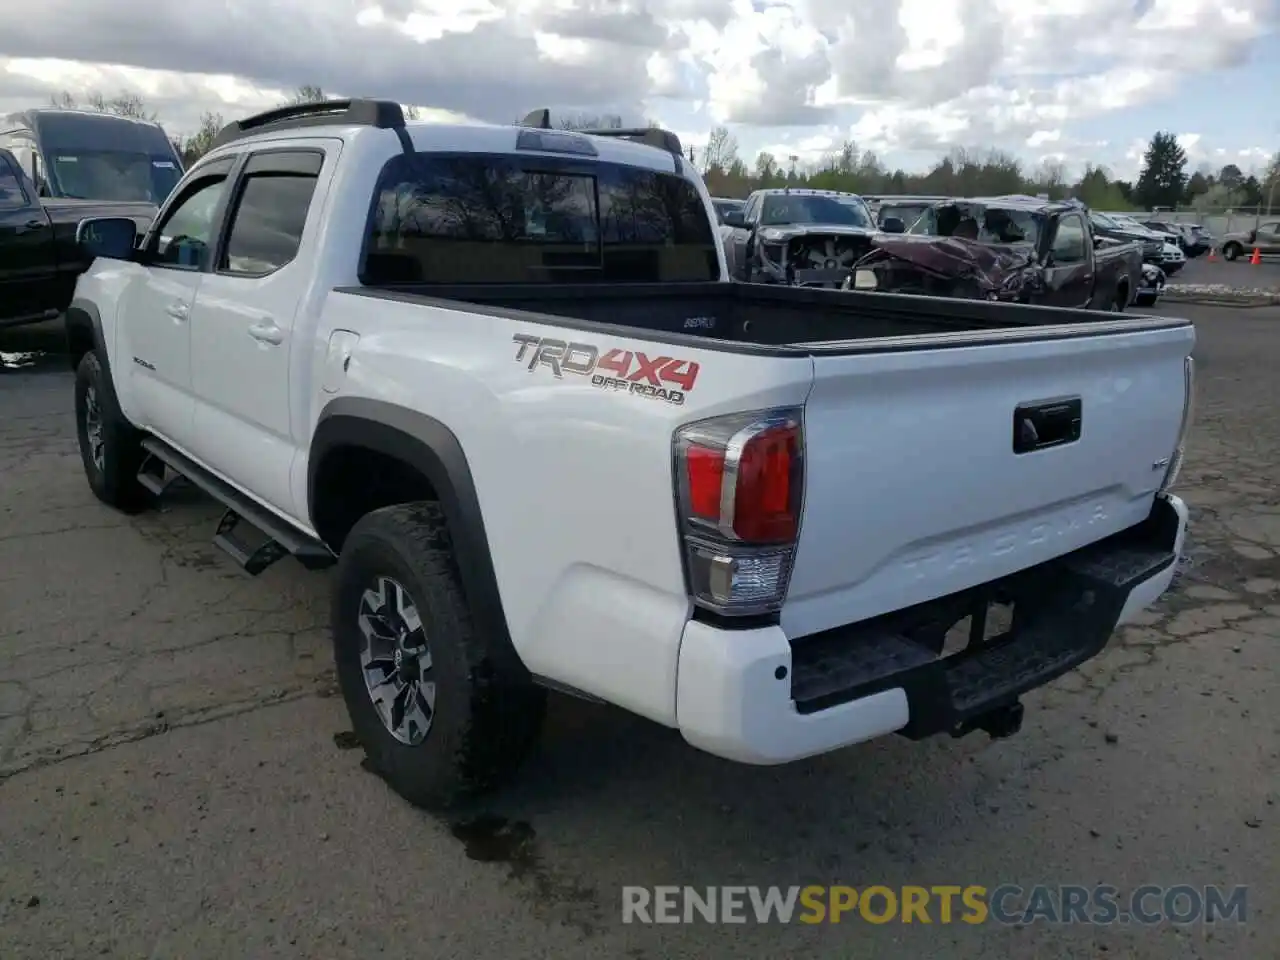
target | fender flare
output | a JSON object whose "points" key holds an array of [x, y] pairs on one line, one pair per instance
{"points": [[83, 317], [432, 449]]}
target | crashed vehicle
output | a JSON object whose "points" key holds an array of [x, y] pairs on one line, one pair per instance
{"points": [[805, 238], [1018, 250]]}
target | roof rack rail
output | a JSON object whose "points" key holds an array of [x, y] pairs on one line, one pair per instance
{"points": [[383, 114], [650, 136]]}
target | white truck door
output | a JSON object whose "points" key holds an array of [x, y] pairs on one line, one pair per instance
{"points": [[243, 322]]}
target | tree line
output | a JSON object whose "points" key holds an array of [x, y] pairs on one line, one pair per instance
{"points": [[1164, 180]]}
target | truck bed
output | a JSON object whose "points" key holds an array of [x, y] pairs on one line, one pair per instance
{"points": [[762, 314]]}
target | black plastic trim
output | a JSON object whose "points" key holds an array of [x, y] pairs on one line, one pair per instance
{"points": [[309, 551], [301, 161], [1065, 612], [431, 448], [383, 114]]}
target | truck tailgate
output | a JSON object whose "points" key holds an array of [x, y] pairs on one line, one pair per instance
{"points": [[914, 489]]}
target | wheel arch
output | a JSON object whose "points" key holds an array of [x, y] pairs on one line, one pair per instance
{"points": [[430, 449], [84, 333]]}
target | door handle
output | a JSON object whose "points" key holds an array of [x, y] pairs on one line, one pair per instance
{"points": [[30, 225], [178, 311], [266, 332]]}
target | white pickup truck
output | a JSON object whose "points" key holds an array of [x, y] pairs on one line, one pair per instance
{"points": [[498, 376]]}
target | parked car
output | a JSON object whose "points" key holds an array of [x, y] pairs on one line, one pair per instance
{"points": [[1009, 249], [599, 466], [1151, 286], [1172, 259], [724, 205], [1265, 238], [1104, 225], [807, 238], [88, 155], [1189, 236], [39, 257]]}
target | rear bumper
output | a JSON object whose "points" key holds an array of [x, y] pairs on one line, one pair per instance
{"points": [[757, 697]]}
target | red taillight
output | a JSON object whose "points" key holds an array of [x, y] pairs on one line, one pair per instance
{"points": [[766, 501], [740, 482], [705, 469]]}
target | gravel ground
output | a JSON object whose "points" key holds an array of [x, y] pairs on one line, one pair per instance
{"points": [[1203, 279], [176, 778]]}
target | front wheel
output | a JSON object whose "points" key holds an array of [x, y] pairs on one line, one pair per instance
{"points": [[1232, 251], [443, 714], [110, 448]]}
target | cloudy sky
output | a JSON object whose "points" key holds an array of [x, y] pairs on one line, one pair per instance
{"points": [[1081, 80]]}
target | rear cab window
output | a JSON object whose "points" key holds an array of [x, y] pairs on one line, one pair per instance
{"points": [[462, 218]]}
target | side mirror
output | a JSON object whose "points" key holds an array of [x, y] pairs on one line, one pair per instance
{"points": [[1098, 243], [893, 225], [112, 237], [734, 218]]}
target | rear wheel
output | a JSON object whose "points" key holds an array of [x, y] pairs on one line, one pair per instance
{"points": [[441, 713], [110, 448]]}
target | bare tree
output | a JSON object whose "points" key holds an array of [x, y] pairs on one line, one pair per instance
{"points": [[122, 104], [721, 151], [307, 93], [587, 121]]}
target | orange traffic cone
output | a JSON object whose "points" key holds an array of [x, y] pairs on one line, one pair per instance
{"points": [[1212, 255], [1256, 258]]}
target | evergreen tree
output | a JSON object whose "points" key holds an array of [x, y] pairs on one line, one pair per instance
{"points": [[1163, 180]]}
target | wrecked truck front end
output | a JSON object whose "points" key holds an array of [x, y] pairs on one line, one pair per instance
{"points": [[810, 256], [949, 267]]}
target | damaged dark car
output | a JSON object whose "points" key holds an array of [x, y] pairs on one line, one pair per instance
{"points": [[807, 238], [1013, 250]]}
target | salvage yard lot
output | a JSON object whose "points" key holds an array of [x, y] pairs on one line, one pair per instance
{"points": [[176, 778]]}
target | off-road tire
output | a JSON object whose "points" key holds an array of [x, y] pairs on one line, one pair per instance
{"points": [[488, 713], [115, 483], [1232, 251]]}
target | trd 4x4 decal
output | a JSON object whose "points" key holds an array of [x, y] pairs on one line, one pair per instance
{"points": [[661, 378]]}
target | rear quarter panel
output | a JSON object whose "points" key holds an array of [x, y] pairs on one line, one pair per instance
{"points": [[574, 481]]}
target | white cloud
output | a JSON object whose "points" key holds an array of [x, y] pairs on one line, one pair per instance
{"points": [[898, 76]]}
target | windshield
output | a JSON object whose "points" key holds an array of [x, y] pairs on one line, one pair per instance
{"points": [[908, 213], [727, 206], [783, 209], [112, 175], [1102, 220], [983, 224]]}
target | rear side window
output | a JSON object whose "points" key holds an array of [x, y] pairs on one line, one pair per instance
{"points": [[11, 192], [266, 229], [1068, 243], [481, 218]]}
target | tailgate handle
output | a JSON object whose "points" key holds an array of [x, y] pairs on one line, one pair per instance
{"points": [[1049, 423]]}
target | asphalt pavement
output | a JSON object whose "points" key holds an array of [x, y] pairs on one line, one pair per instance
{"points": [[177, 778], [1240, 273]]}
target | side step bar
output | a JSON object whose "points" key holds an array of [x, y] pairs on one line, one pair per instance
{"points": [[165, 465]]}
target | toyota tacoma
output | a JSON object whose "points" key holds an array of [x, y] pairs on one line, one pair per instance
{"points": [[499, 377]]}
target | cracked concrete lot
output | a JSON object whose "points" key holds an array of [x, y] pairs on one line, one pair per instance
{"points": [[175, 778]]}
